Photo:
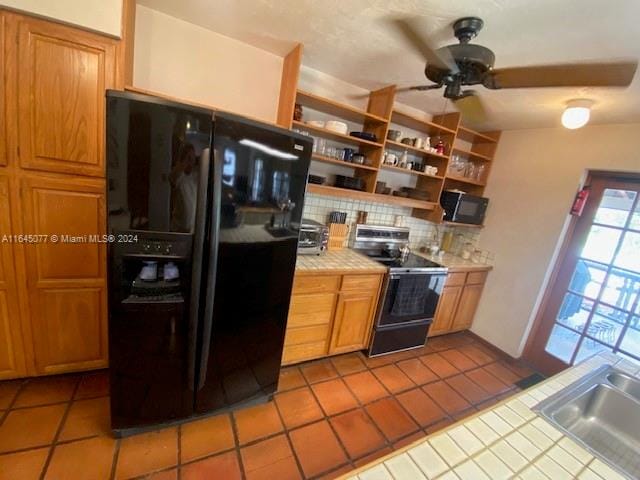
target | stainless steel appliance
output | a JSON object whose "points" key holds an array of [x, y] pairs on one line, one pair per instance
{"points": [[463, 208], [411, 290], [313, 239], [206, 210]]}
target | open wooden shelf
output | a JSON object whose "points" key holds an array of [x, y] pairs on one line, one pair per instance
{"points": [[472, 155], [372, 197], [470, 181], [411, 148], [337, 109], [334, 161], [471, 136], [336, 136], [415, 123], [409, 172]]}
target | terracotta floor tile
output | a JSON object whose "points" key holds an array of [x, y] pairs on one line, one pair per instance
{"points": [[393, 378], [164, 475], [439, 365], [87, 418], [334, 396], [85, 459], [93, 385], [436, 427], [349, 363], [319, 371], [224, 466], [417, 371], [269, 459], [518, 368], [446, 397], [380, 361], [298, 407], [30, 427], [487, 381], [458, 359], [206, 437], [257, 422], [357, 433], [477, 354], [336, 473], [372, 456], [8, 390], [365, 387], [473, 393], [503, 373], [421, 407], [147, 452], [391, 418], [23, 465], [317, 448], [464, 414], [290, 378], [45, 390], [403, 442]]}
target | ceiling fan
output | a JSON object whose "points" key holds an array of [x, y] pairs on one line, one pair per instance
{"points": [[457, 66]]}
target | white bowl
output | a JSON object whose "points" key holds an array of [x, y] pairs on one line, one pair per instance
{"points": [[316, 123]]}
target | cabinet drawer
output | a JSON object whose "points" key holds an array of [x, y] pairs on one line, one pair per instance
{"points": [[455, 279], [307, 351], [306, 310], [300, 335], [476, 277], [360, 282], [315, 284]]}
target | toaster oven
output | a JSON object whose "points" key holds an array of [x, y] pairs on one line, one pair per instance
{"points": [[313, 238]]}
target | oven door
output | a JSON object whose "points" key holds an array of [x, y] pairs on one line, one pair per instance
{"points": [[471, 209], [410, 297]]}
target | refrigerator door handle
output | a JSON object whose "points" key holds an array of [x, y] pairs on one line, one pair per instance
{"points": [[196, 265], [214, 229]]}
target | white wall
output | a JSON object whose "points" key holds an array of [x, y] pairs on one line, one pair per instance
{"points": [[103, 16], [183, 60], [533, 181]]}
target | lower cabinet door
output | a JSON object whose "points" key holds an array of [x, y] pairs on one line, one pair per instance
{"points": [[467, 306], [12, 355], [66, 279], [353, 320], [446, 311]]}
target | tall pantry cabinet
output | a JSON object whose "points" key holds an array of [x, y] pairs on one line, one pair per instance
{"points": [[53, 315]]}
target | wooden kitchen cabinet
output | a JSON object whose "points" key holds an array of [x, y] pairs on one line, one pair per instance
{"points": [[66, 283], [62, 75], [458, 302], [330, 314], [3, 123]]}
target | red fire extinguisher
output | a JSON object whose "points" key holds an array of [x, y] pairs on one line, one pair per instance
{"points": [[580, 201]]}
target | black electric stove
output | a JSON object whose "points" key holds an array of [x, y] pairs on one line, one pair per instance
{"points": [[411, 263]]}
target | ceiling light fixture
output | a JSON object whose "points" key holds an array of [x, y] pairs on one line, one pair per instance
{"points": [[576, 114]]}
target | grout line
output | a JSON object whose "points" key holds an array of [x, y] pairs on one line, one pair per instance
{"points": [[63, 420], [179, 453], [236, 443], [114, 461]]}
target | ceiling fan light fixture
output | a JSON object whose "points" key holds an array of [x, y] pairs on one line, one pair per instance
{"points": [[576, 114]]}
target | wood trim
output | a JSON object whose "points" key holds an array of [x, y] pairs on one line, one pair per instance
{"points": [[125, 48], [3, 113], [289, 86]]}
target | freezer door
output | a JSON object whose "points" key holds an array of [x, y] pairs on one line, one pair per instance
{"points": [[259, 180]]}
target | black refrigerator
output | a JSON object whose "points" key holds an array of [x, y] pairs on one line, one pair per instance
{"points": [[203, 212]]}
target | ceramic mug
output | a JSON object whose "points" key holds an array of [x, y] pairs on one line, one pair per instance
{"points": [[394, 135], [391, 159], [409, 166], [418, 142]]}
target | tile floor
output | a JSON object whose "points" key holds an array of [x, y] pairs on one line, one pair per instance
{"points": [[328, 417]]}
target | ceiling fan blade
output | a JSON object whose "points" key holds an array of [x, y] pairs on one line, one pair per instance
{"points": [[618, 74], [440, 58], [418, 88], [471, 107]]}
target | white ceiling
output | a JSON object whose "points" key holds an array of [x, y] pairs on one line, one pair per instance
{"points": [[349, 39]]}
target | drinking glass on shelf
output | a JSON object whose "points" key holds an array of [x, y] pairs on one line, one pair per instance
{"points": [[470, 170], [480, 172], [322, 146]]}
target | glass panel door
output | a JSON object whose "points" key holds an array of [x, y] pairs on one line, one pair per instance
{"points": [[600, 309]]}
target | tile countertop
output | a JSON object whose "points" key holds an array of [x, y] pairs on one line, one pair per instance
{"points": [[507, 440], [345, 260], [454, 262]]}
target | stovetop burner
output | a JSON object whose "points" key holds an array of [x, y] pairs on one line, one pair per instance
{"points": [[413, 262]]}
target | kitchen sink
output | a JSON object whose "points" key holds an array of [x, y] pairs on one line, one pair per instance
{"points": [[601, 412]]}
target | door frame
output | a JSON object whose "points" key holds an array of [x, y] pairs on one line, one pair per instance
{"points": [[532, 353]]}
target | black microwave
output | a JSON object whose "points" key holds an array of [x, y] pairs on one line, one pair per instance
{"points": [[463, 208]]}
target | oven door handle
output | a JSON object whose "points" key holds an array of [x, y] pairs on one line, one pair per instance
{"points": [[395, 276]]}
